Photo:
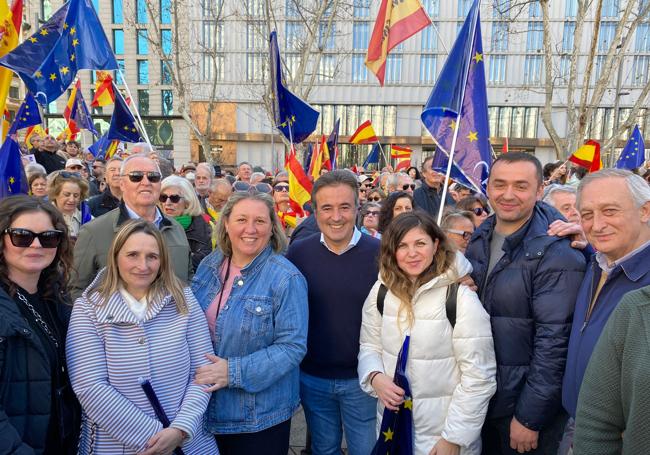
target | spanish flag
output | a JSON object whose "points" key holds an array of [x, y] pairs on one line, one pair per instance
{"points": [[10, 22], [36, 129], [396, 22], [299, 185], [365, 134], [71, 129], [400, 152], [588, 156], [104, 94]]}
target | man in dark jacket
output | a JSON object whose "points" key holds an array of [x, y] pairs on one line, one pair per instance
{"points": [[110, 198], [47, 157], [429, 195], [528, 283]]}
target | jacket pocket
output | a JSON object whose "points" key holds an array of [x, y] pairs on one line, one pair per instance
{"points": [[258, 318]]}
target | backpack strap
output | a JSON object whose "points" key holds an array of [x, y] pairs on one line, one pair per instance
{"points": [[451, 303], [381, 296]]}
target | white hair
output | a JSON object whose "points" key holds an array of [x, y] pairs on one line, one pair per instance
{"points": [[552, 189], [187, 191], [139, 155], [207, 167]]}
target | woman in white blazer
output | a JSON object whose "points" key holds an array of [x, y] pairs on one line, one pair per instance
{"points": [[137, 321], [451, 370]]}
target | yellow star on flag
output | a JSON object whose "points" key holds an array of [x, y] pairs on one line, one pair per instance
{"points": [[408, 403], [52, 77], [478, 57], [43, 32], [12, 180], [126, 127], [472, 136], [72, 57], [33, 39], [75, 42], [452, 125], [388, 435], [65, 70], [38, 74], [73, 31], [65, 26]]}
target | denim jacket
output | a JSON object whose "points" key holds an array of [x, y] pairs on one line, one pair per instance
{"points": [[262, 331]]}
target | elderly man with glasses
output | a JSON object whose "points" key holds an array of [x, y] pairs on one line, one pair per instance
{"points": [[140, 186]]}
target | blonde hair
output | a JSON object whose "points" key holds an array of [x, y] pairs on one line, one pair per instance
{"points": [[278, 239], [55, 183], [166, 282]]}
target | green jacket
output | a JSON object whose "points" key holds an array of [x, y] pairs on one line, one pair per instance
{"points": [[613, 414], [91, 248]]}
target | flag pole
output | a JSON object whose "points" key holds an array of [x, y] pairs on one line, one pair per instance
{"points": [[383, 153], [135, 108]]}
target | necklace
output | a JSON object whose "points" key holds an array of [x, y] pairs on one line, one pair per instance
{"points": [[39, 319]]}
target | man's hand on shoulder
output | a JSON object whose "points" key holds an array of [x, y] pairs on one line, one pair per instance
{"points": [[572, 230]]}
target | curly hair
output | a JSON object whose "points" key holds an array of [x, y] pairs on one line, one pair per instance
{"points": [[395, 279], [54, 278], [387, 206]]}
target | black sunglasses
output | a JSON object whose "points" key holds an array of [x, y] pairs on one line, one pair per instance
{"points": [[175, 198], [407, 186], [374, 199], [466, 234], [245, 187], [478, 211], [23, 238], [281, 187], [69, 175], [137, 176]]}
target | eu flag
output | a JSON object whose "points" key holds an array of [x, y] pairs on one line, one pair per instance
{"points": [[81, 115], [460, 96], [373, 156], [396, 433], [633, 155], [333, 143], [439, 164], [295, 119], [12, 176], [309, 151], [123, 127], [72, 39], [86, 216], [27, 115]]}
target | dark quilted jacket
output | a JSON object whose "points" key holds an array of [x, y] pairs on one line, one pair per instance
{"points": [[530, 296]]}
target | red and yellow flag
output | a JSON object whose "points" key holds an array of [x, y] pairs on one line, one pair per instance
{"points": [[400, 152], [10, 22], [71, 128], [104, 94], [396, 22], [588, 156], [299, 185], [36, 129], [365, 134]]}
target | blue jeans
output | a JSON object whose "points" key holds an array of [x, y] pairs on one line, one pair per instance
{"points": [[334, 405]]}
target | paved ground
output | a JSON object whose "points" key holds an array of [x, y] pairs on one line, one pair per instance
{"points": [[298, 434]]}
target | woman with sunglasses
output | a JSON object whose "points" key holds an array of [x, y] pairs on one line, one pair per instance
{"points": [[287, 216], [477, 206], [255, 301], [450, 364], [376, 195], [179, 201], [395, 204], [66, 192], [370, 219], [137, 322], [38, 410]]}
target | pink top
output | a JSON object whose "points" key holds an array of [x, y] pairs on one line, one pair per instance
{"points": [[214, 308]]}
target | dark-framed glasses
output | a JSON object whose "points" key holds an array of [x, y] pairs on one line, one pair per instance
{"points": [[281, 187], [246, 187], [478, 211], [137, 176], [465, 234], [372, 213], [23, 238], [374, 199], [407, 186], [175, 198]]}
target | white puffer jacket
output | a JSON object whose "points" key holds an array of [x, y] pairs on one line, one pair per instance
{"points": [[452, 373]]}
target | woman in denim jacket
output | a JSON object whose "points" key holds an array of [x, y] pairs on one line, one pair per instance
{"points": [[256, 305]]}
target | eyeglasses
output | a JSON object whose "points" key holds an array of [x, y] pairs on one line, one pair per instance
{"points": [[374, 199], [246, 187], [23, 238], [175, 198], [466, 234], [478, 211], [373, 213], [69, 175], [137, 176], [407, 186], [282, 188]]}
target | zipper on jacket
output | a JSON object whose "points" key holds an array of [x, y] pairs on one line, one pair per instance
{"points": [[591, 306]]}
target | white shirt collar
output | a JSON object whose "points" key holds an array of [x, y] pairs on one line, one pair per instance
{"points": [[604, 265], [356, 236], [137, 307], [135, 216]]}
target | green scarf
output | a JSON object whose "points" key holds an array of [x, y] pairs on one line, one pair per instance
{"points": [[184, 220]]}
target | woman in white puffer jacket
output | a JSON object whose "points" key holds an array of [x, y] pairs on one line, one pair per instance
{"points": [[451, 370]]}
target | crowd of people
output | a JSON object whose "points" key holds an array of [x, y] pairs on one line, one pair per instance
{"points": [[146, 309]]}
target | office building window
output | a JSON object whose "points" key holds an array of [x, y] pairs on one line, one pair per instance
{"points": [[570, 8], [600, 66], [166, 41], [167, 102], [361, 8], [520, 122], [567, 37], [463, 7], [565, 69], [212, 35], [428, 67], [606, 35], [610, 8], [360, 35], [255, 40], [143, 72], [254, 8], [497, 73], [143, 101], [533, 65], [393, 69], [291, 8], [642, 42], [96, 5], [294, 36], [212, 66], [327, 68], [118, 41], [293, 63], [165, 11], [501, 9], [118, 79], [535, 37], [640, 70], [429, 39], [535, 9], [359, 69], [432, 7], [165, 72], [499, 40], [118, 12], [322, 33], [142, 42], [255, 66], [141, 12]]}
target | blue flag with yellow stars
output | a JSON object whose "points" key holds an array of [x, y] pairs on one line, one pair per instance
{"points": [[27, 115], [396, 433], [12, 176], [81, 115], [71, 39], [123, 127], [439, 164], [633, 155], [295, 119], [459, 100], [86, 216]]}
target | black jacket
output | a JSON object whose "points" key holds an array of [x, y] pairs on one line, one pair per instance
{"points": [[199, 236], [530, 296], [103, 203], [428, 199], [25, 382], [50, 161]]}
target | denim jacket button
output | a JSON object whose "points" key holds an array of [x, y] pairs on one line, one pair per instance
{"points": [[240, 283], [258, 309], [226, 307]]}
